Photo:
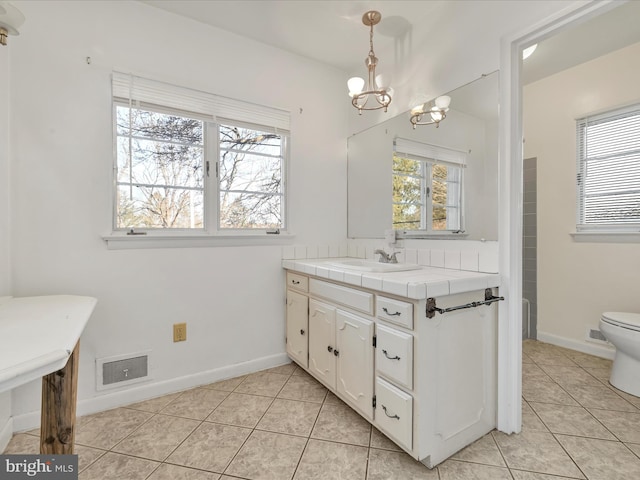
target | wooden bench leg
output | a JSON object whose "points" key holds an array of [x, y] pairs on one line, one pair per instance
{"points": [[58, 414]]}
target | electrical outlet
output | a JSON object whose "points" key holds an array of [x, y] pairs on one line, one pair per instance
{"points": [[179, 332]]}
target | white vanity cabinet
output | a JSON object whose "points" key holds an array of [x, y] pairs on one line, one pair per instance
{"points": [[297, 319], [427, 380]]}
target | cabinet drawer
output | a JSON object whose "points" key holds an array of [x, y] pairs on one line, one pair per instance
{"points": [[394, 413], [349, 297], [297, 281], [395, 311], [394, 355]]}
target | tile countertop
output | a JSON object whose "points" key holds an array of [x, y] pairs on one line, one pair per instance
{"points": [[417, 284]]}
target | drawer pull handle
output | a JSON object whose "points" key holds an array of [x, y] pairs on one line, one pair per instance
{"points": [[295, 282], [390, 358], [336, 353], [329, 349], [387, 414], [396, 314], [301, 331]]}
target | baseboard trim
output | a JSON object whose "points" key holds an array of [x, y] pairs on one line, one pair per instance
{"points": [[6, 432], [142, 392], [580, 346]]}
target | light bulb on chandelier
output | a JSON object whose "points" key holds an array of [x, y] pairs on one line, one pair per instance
{"points": [[377, 93]]}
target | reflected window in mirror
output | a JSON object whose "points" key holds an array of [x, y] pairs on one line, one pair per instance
{"points": [[427, 191]]}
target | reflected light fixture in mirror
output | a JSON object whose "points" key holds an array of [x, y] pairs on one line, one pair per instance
{"points": [[377, 94], [437, 112], [526, 53], [10, 20]]}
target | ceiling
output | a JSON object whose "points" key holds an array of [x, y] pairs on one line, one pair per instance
{"points": [[332, 32]]}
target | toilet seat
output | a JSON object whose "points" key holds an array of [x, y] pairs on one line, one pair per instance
{"points": [[623, 319]]}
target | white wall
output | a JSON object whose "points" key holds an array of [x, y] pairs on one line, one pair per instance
{"points": [[5, 277], [577, 281], [232, 298]]}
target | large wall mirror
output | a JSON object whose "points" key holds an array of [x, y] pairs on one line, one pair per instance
{"points": [[469, 131]]}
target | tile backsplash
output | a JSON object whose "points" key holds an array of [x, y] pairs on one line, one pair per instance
{"points": [[468, 255]]}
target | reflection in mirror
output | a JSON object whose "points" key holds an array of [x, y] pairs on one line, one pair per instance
{"points": [[429, 182]]}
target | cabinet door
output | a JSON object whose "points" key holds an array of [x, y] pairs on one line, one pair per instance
{"points": [[322, 345], [297, 327], [354, 336]]}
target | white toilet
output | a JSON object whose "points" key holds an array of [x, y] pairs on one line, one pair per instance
{"points": [[622, 329]]}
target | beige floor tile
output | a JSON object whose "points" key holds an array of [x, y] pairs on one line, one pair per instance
{"points": [[632, 399], [113, 466], [380, 440], [228, 385], [522, 475], [536, 452], [154, 405], [635, 448], [267, 384], [339, 423], [286, 369], [564, 375], [174, 472], [455, 470], [532, 372], [526, 358], [300, 372], [327, 460], [543, 358], [157, 438], [108, 428], [87, 455], [24, 444], [267, 456], [483, 451], [624, 425], [530, 421], [599, 396], [600, 372], [385, 465], [303, 388], [570, 420], [332, 399], [602, 459], [588, 361], [241, 410], [290, 417], [196, 404], [546, 392], [210, 447]]}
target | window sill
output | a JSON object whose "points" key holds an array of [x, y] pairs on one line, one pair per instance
{"points": [[606, 237], [126, 242], [432, 235]]}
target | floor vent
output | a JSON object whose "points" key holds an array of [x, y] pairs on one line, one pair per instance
{"points": [[122, 370], [595, 335]]}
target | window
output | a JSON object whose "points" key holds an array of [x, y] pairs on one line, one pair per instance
{"points": [[427, 189], [608, 171], [180, 165]]}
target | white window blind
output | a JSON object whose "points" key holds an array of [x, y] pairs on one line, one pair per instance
{"points": [[411, 148], [608, 171], [142, 91]]}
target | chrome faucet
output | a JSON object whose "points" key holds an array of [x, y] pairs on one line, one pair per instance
{"points": [[385, 257]]}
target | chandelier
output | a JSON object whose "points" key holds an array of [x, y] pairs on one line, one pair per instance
{"points": [[377, 94], [437, 112], [10, 19]]}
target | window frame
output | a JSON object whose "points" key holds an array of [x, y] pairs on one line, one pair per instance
{"points": [[582, 160], [430, 156], [210, 164]]}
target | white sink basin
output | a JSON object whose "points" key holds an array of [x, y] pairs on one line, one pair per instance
{"points": [[372, 266]]}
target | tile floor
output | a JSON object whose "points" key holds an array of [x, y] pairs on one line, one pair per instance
{"points": [[280, 424]]}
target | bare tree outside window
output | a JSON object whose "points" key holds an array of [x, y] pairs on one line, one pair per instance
{"points": [[160, 161], [250, 178]]}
